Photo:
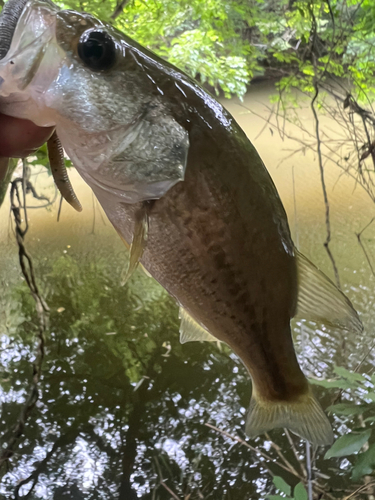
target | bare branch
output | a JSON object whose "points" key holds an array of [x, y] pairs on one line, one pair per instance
{"points": [[119, 8], [42, 310]]}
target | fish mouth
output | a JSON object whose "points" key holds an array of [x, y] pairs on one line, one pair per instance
{"points": [[8, 21], [18, 137], [9, 18], [31, 36]]}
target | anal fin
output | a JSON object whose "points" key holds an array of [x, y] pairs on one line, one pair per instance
{"points": [[191, 330], [320, 300]]}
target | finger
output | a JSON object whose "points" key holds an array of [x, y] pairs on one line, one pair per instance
{"points": [[20, 138], [3, 168]]}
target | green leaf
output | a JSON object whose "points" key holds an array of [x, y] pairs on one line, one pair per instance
{"points": [[300, 492], [365, 464], [348, 444], [348, 375], [347, 409], [334, 384], [370, 395], [277, 497], [281, 485]]}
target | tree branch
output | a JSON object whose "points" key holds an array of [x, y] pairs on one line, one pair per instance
{"points": [[19, 211], [119, 8]]}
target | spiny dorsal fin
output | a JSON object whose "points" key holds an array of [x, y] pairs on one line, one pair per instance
{"points": [[139, 241], [320, 300], [191, 331]]}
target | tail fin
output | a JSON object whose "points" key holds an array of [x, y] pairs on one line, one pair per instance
{"points": [[304, 417]]}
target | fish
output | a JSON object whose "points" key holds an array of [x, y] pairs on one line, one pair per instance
{"points": [[185, 188]]}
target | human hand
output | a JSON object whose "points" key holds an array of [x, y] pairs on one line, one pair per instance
{"points": [[19, 138]]}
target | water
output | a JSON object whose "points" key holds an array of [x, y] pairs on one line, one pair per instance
{"points": [[124, 408]]}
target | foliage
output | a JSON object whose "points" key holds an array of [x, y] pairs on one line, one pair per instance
{"points": [[349, 444], [299, 491], [323, 41], [208, 39], [360, 409], [226, 43]]}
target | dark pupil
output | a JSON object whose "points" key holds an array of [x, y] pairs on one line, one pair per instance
{"points": [[93, 50], [97, 50]]}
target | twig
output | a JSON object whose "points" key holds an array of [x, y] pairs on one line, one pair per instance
{"points": [[162, 483], [59, 209], [272, 460], [94, 215], [359, 490], [324, 189], [255, 450], [356, 369], [292, 445], [42, 311], [280, 454], [119, 8], [362, 246], [161, 480]]}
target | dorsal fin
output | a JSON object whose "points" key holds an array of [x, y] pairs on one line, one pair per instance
{"points": [[191, 331], [320, 300]]}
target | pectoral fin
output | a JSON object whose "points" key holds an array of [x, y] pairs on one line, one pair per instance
{"points": [[145, 272], [139, 241], [191, 331], [320, 300]]}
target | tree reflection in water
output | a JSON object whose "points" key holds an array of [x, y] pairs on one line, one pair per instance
{"points": [[123, 405]]}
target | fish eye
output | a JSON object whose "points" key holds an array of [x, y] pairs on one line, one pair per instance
{"points": [[97, 50]]}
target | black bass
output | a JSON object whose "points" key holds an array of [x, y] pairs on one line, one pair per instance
{"points": [[180, 180]]}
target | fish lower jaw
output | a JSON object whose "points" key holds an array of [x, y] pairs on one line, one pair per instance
{"points": [[24, 107]]}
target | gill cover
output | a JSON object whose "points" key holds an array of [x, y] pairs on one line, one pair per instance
{"points": [[149, 159]]}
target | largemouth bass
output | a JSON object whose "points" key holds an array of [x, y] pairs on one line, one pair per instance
{"points": [[181, 182]]}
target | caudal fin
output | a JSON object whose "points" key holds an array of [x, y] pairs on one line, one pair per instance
{"points": [[304, 417]]}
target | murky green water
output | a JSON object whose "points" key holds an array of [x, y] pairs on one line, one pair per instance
{"points": [[123, 407]]}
